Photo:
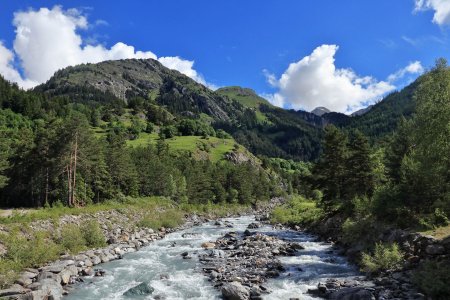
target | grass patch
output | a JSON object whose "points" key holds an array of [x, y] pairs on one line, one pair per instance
{"points": [[213, 147], [297, 210], [384, 257], [438, 233]]}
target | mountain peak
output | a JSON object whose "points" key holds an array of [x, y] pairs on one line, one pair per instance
{"points": [[320, 111]]}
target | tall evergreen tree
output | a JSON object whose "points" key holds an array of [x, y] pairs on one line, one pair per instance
{"points": [[359, 167], [330, 171]]}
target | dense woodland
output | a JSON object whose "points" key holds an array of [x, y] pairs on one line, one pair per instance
{"points": [[406, 179], [50, 156], [51, 152]]}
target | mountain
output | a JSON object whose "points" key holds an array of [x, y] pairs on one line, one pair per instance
{"points": [[320, 111], [247, 97], [146, 78], [361, 111], [262, 128]]}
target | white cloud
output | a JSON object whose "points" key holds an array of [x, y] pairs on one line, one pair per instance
{"points": [[7, 69], [441, 10], [315, 81], [413, 68], [47, 40]]}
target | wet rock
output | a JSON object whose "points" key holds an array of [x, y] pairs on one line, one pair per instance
{"points": [[99, 273], [190, 234], [208, 245], [235, 291], [253, 226], [352, 294], [141, 289]]}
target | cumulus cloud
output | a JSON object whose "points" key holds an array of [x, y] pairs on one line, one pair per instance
{"points": [[315, 81], [48, 40], [7, 69], [441, 10], [413, 68]]}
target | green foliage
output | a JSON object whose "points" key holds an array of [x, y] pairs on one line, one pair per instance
{"points": [[93, 235], [297, 211], [331, 169], [432, 277], [25, 252], [71, 238], [170, 218], [384, 257]]}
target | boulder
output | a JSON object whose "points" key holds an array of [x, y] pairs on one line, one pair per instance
{"points": [[235, 291], [13, 290], [435, 249], [52, 288], [208, 245], [352, 294], [141, 289]]}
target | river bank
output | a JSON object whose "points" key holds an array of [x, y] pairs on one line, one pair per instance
{"points": [[398, 283], [123, 230]]}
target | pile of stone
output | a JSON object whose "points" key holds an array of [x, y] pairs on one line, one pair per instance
{"points": [[240, 264]]}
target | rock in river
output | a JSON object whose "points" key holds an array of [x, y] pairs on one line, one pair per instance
{"points": [[235, 291], [139, 290]]}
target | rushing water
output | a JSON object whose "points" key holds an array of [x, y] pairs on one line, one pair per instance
{"points": [[161, 265]]}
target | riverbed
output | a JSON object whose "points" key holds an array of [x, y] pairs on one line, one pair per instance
{"points": [[172, 277]]}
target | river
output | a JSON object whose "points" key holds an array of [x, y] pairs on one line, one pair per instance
{"points": [[162, 266]]}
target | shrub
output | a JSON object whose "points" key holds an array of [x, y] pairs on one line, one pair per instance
{"points": [[384, 257], [361, 230], [23, 253], [93, 235], [31, 252], [433, 278], [71, 238], [170, 218], [296, 211], [8, 273]]}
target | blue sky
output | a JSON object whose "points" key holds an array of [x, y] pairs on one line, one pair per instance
{"points": [[248, 42]]}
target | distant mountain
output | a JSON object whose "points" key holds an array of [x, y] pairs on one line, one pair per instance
{"points": [[145, 78], [255, 123], [361, 111], [320, 111]]}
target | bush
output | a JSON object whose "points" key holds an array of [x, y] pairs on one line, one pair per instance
{"points": [[385, 257], [296, 211], [31, 252], [170, 218], [433, 279], [361, 230], [8, 273], [23, 253], [93, 235], [71, 238]]}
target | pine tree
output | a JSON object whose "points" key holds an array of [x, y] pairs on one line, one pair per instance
{"points": [[359, 167], [330, 171]]}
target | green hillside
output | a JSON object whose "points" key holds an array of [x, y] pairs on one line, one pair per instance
{"points": [[247, 97]]}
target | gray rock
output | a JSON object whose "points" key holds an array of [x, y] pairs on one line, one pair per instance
{"points": [[235, 291], [52, 288], [141, 289], [435, 249], [13, 290], [352, 294]]}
